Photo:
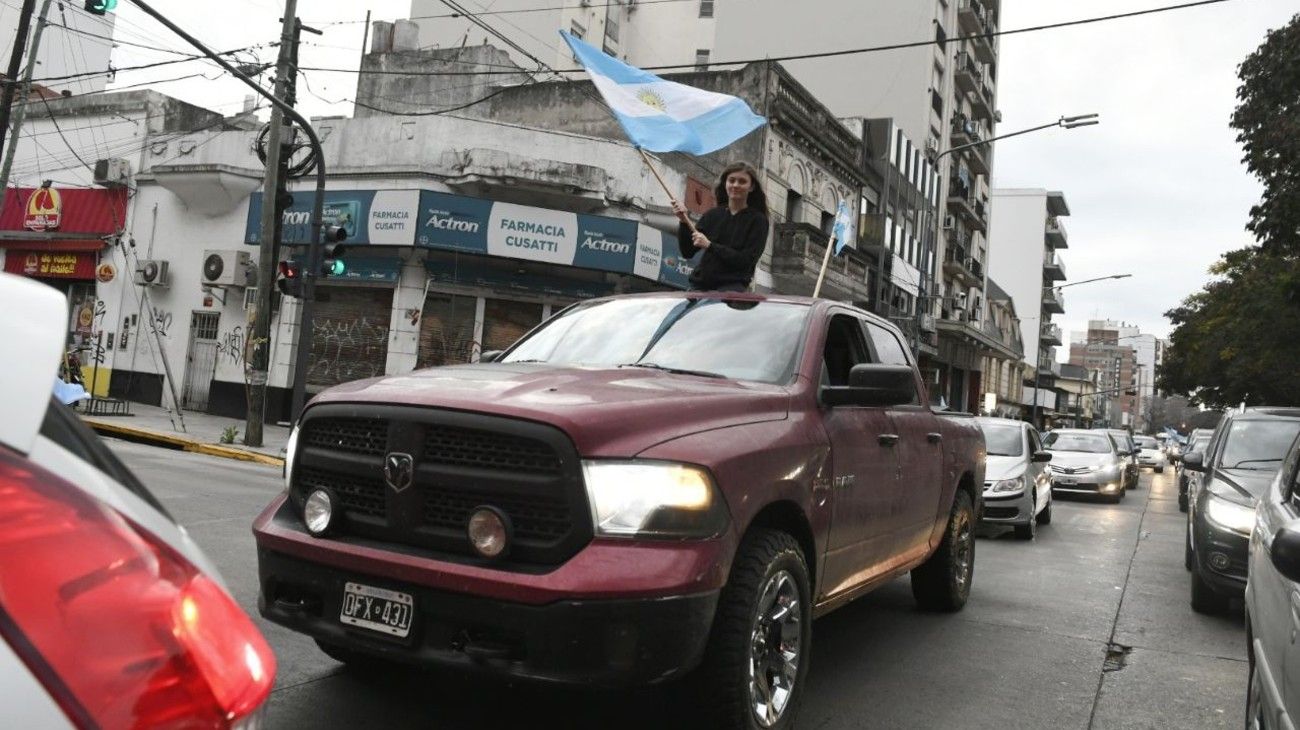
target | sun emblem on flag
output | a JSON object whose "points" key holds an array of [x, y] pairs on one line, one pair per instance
{"points": [[652, 100]]}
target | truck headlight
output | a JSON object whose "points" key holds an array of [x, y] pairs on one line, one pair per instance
{"points": [[1229, 515], [653, 499], [290, 450]]}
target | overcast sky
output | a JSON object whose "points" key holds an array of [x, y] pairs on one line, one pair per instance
{"points": [[1157, 190]]}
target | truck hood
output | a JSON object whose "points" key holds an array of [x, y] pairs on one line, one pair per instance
{"points": [[608, 412]]}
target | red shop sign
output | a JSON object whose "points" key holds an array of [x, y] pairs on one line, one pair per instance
{"points": [[51, 264]]}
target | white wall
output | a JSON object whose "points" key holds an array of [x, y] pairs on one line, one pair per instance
{"points": [[1015, 258], [64, 52]]}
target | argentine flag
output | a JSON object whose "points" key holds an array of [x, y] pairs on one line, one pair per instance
{"points": [[843, 232], [662, 116]]}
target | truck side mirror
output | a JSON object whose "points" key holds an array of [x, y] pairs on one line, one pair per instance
{"points": [[1041, 457], [1194, 461], [491, 355], [874, 385]]}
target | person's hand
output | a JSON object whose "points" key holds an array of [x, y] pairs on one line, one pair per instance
{"points": [[700, 240], [679, 211]]}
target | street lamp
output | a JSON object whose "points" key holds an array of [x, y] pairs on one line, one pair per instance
{"points": [[1038, 341], [1082, 120]]}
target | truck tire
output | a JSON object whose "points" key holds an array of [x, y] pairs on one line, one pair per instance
{"points": [[763, 628], [942, 583]]}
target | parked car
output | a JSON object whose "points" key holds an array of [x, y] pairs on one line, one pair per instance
{"points": [[1241, 461], [625, 495], [1017, 482], [1273, 556], [1128, 453], [1195, 445], [1150, 454], [112, 616], [1085, 462]]}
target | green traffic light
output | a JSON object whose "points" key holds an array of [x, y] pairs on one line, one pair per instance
{"points": [[99, 7], [336, 268]]}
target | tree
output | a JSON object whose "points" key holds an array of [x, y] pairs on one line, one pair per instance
{"points": [[1268, 124], [1237, 340]]}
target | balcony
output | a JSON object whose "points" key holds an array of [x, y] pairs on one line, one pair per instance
{"points": [[1051, 336], [962, 202], [983, 47], [964, 131], [958, 264], [968, 75], [981, 102], [797, 253], [1055, 232], [977, 158], [1053, 268], [971, 17], [1053, 301]]}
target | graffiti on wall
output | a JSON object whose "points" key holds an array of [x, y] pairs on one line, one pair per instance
{"points": [[347, 349], [231, 346]]}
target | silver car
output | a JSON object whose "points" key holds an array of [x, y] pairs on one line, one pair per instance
{"points": [[1017, 487], [1150, 453], [1086, 462]]}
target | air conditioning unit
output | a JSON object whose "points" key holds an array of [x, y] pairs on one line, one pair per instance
{"points": [[151, 272], [961, 300], [932, 148], [949, 222], [227, 268], [113, 172]]}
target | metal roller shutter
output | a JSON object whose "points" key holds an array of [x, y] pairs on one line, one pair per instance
{"points": [[349, 334], [446, 330], [505, 321]]}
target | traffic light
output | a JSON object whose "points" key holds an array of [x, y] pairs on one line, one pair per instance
{"points": [[289, 282], [99, 7], [332, 263]]}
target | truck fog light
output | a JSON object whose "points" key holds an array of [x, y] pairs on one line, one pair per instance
{"points": [[1218, 561], [489, 531], [318, 512]]}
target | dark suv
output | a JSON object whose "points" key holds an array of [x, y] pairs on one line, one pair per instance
{"points": [[1243, 456]]}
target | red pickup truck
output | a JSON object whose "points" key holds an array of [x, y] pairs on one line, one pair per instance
{"points": [[641, 487]]}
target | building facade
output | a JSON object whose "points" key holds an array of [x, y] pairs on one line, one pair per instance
{"points": [[1103, 350], [1026, 236], [1003, 377]]}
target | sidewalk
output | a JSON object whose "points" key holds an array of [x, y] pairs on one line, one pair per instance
{"points": [[202, 433]]}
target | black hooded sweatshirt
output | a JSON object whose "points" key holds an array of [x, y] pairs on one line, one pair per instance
{"points": [[735, 245]]}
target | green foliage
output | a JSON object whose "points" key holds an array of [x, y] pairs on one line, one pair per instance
{"points": [[228, 434], [1268, 124], [1237, 340]]}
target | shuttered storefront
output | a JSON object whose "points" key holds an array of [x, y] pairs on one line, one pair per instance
{"points": [[349, 334], [447, 330]]}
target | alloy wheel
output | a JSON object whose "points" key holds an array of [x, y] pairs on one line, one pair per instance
{"points": [[775, 648], [963, 554]]}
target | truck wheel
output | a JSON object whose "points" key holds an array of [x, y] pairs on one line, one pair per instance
{"points": [[760, 646], [942, 583]]}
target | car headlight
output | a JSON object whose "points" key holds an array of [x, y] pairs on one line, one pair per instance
{"points": [[1010, 485], [290, 450], [653, 499], [1229, 515]]}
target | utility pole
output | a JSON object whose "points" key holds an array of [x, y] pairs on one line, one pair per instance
{"points": [[273, 195], [22, 110], [15, 63]]}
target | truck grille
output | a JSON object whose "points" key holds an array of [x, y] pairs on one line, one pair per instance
{"points": [[462, 461]]}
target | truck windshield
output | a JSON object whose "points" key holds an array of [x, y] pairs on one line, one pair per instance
{"points": [[740, 340]]}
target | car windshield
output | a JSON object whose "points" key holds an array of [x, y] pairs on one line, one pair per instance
{"points": [[1146, 442], [1003, 440], [742, 340], [1089, 443], [1257, 444]]}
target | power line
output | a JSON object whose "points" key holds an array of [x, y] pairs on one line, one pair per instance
{"points": [[822, 54], [624, 3], [89, 74]]}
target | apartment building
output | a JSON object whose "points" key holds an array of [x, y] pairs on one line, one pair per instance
{"points": [[1104, 349], [1026, 236]]}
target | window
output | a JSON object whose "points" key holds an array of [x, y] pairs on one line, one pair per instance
{"points": [[578, 30], [702, 59], [706, 8], [889, 351], [828, 222], [793, 206], [845, 347], [940, 37], [611, 27]]}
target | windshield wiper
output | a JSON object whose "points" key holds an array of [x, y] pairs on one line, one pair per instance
{"points": [[1251, 461], [675, 371]]}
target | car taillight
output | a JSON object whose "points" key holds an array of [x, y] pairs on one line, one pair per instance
{"points": [[121, 629]]}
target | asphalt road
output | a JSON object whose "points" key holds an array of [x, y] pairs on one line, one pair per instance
{"points": [[1086, 627]]}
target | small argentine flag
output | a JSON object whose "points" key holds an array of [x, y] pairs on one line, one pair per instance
{"points": [[843, 232], [662, 116]]}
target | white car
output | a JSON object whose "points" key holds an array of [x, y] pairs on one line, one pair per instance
{"points": [[1150, 453], [1017, 484], [106, 604]]}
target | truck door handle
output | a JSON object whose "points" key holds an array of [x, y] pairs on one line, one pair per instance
{"points": [[887, 439], [1295, 615], [934, 438]]}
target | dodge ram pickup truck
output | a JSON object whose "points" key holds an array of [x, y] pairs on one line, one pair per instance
{"points": [[641, 487]]}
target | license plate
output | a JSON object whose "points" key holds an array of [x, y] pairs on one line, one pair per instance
{"points": [[1066, 480], [377, 609]]}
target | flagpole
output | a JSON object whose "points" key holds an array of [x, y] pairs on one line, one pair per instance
{"points": [[826, 261], [664, 185]]}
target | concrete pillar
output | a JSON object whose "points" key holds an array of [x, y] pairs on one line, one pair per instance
{"points": [[408, 308]]}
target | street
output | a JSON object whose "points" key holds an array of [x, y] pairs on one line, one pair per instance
{"points": [[1087, 627]]}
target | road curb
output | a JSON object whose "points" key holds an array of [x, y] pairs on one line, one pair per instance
{"points": [[184, 443]]}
